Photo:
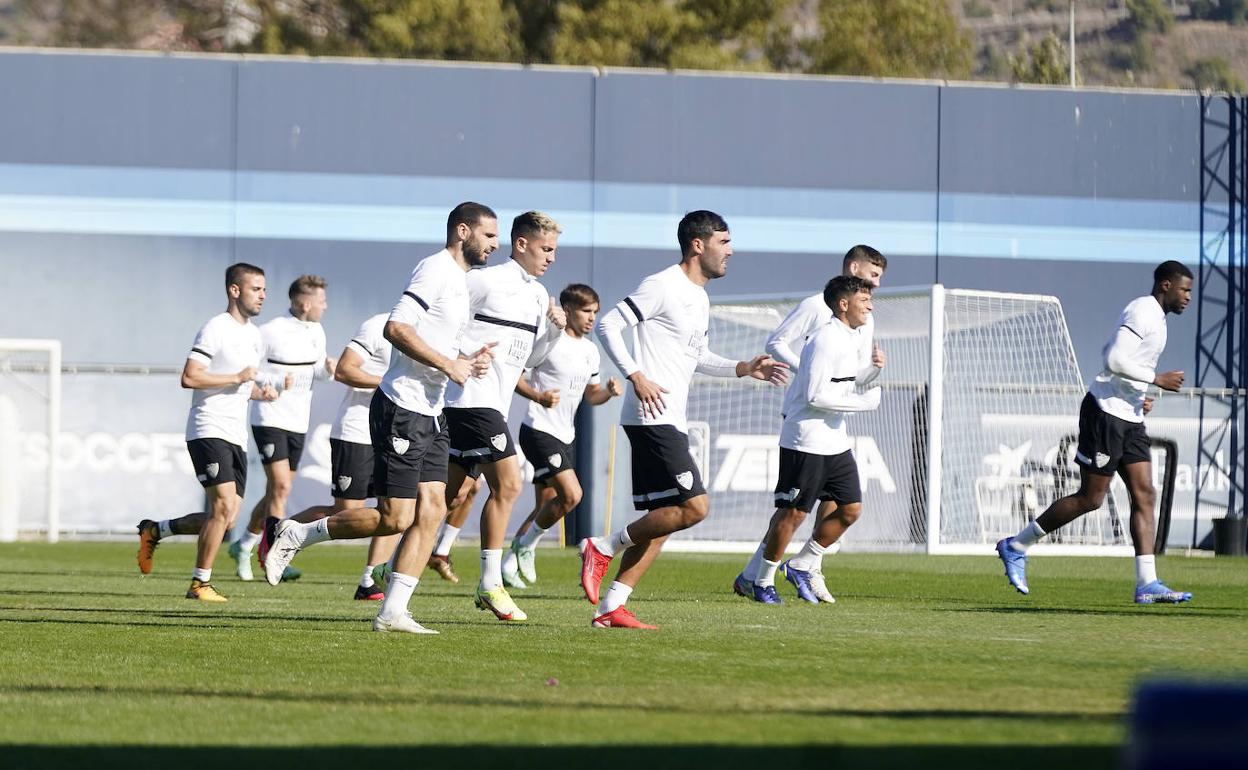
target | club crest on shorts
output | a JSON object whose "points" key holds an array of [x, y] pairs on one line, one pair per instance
{"points": [[685, 480], [1101, 459], [267, 450], [499, 441], [400, 444], [555, 460], [344, 483], [212, 469]]}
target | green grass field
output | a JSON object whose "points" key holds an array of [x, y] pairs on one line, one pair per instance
{"points": [[924, 662]]}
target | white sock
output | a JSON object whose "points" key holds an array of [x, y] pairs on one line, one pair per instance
{"points": [[247, 542], [366, 580], [316, 532], [755, 563], [767, 576], [532, 535], [610, 546], [491, 568], [810, 558], [1145, 570], [165, 529], [615, 597], [446, 539], [1027, 537], [202, 575], [398, 594]]}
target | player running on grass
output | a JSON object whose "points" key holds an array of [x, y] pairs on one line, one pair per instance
{"points": [[805, 571], [294, 344], [1112, 438], [556, 386], [222, 370], [405, 417], [670, 314], [816, 456]]}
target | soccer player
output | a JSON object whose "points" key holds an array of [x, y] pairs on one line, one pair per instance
{"points": [[816, 454], [294, 344], [548, 431], [360, 367], [222, 370], [785, 344], [405, 418], [1112, 438], [508, 306], [671, 315]]}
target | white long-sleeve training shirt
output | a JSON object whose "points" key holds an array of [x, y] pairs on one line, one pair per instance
{"points": [[296, 348], [670, 316], [223, 346], [507, 306], [1130, 356], [351, 423], [823, 391], [571, 365], [435, 305], [808, 316]]}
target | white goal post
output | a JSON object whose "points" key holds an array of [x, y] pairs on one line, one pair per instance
{"points": [[30, 404], [974, 437]]}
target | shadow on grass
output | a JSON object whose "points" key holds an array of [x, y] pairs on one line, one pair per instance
{"points": [[210, 616], [720, 757], [443, 699], [1133, 611]]}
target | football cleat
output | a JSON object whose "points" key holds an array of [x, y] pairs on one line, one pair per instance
{"points": [[149, 538], [402, 624], [801, 581], [442, 566], [819, 587], [593, 568], [242, 562], [381, 574], [373, 593], [741, 586], [527, 556], [203, 592], [499, 602], [511, 576], [285, 546], [1157, 592], [620, 617], [1015, 565], [268, 533], [765, 594]]}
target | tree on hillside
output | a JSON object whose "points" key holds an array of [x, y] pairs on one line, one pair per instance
{"points": [[889, 38]]}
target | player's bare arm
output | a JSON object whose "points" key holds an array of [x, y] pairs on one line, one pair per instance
{"points": [[195, 376], [764, 368], [649, 393], [597, 395], [350, 371]]}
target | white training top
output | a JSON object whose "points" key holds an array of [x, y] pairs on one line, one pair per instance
{"points": [[808, 316], [823, 392], [224, 346], [671, 314], [296, 348], [508, 306], [371, 344], [435, 304], [1131, 354], [571, 365]]}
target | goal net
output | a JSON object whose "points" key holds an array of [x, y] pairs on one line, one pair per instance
{"points": [[30, 400], [974, 436]]}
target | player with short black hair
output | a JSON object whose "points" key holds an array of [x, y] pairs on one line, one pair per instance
{"points": [[816, 455], [1112, 438], [406, 424], [222, 370], [670, 311], [785, 344], [556, 386]]}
